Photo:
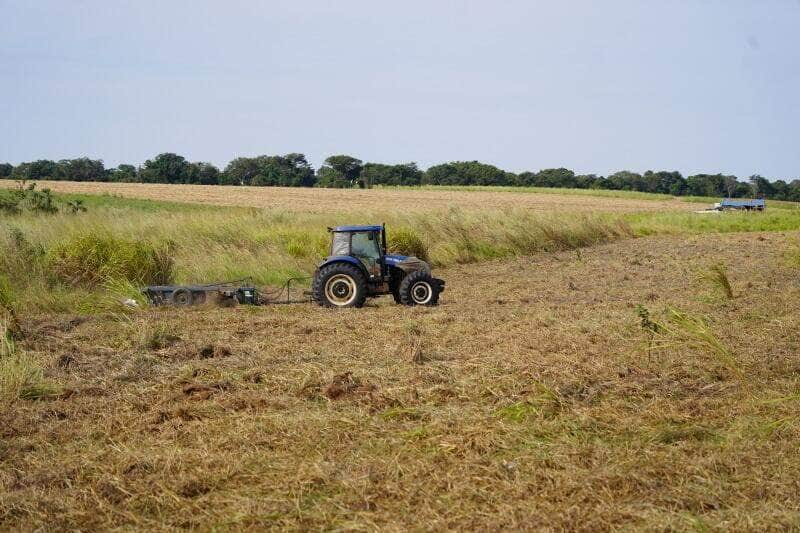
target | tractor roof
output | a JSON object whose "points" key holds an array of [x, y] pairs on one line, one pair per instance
{"points": [[356, 228]]}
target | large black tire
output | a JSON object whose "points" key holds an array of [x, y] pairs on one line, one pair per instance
{"points": [[339, 285], [419, 288]]}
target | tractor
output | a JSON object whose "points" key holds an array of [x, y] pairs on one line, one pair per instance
{"points": [[358, 266]]}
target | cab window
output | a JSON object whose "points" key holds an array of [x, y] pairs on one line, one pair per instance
{"points": [[340, 245], [365, 245]]}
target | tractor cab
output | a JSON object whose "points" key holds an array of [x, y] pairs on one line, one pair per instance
{"points": [[366, 244], [358, 266]]}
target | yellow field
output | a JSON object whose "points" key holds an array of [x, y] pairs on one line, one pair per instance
{"points": [[311, 200]]}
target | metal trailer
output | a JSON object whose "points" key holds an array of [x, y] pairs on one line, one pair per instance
{"points": [[758, 204], [224, 292]]}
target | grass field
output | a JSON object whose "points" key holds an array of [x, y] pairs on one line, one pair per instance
{"points": [[597, 362]]}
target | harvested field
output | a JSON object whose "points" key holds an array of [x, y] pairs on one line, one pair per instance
{"points": [[337, 200], [535, 397]]}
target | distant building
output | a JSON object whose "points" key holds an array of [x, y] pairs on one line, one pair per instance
{"points": [[758, 204]]}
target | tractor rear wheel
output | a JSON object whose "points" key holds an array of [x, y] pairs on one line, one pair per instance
{"points": [[339, 285], [419, 288]]}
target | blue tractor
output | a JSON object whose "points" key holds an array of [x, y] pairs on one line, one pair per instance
{"points": [[358, 267]]}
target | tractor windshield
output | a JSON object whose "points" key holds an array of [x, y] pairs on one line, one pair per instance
{"points": [[365, 246]]}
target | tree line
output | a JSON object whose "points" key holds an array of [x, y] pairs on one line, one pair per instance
{"points": [[344, 171]]}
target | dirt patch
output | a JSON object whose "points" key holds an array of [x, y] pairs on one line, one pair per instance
{"points": [[346, 384], [194, 488], [213, 351], [65, 360], [251, 401], [200, 391]]}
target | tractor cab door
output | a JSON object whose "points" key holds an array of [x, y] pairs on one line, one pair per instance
{"points": [[365, 247]]}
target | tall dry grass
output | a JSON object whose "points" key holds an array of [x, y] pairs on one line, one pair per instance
{"points": [[67, 258]]}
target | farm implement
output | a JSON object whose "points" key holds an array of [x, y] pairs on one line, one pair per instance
{"points": [[357, 267]]}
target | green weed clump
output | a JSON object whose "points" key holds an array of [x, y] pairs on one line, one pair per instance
{"points": [[93, 258], [28, 198], [406, 241], [8, 316], [717, 275], [7, 298], [541, 401], [793, 256], [20, 376], [696, 333], [10, 200], [691, 331]]}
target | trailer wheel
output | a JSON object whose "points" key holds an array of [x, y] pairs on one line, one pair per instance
{"points": [[182, 296], [339, 285], [419, 288]]}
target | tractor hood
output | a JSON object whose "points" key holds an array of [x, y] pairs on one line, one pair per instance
{"points": [[407, 263]]}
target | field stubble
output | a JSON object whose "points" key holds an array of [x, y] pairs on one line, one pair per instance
{"points": [[527, 400]]}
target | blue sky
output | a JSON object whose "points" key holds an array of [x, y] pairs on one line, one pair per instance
{"points": [[695, 86]]}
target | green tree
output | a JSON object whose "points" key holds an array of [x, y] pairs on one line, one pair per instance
{"points": [[556, 177], [5, 170], [550, 177], [794, 190], [241, 171], [81, 169], [203, 174], [706, 185], [731, 182], [43, 169], [587, 181], [467, 173], [165, 168], [123, 173], [761, 187], [340, 171], [624, 180], [380, 174], [662, 182], [290, 170]]}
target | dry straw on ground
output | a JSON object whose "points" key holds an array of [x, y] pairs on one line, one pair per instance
{"points": [[525, 401]]}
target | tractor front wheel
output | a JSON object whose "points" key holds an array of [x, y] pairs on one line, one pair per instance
{"points": [[419, 288], [339, 285]]}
